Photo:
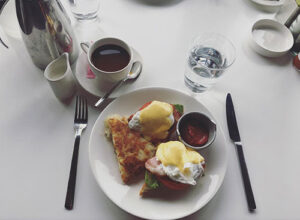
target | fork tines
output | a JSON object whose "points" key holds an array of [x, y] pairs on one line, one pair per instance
{"points": [[81, 110]]}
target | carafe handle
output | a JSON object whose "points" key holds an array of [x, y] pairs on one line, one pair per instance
{"points": [[2, 4]]}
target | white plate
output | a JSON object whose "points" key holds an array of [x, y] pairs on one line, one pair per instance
{"points": [[105, 169], [271, 38], [269, 5], [95, 86]]}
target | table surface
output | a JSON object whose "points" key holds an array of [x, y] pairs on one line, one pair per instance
{"points": [[36, 132]]}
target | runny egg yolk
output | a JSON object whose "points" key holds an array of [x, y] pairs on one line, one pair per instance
{"points": [[155, 119], [174, 153]]}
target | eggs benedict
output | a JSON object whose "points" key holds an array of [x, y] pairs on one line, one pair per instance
{"points": [[154, 120], [174, 166]]}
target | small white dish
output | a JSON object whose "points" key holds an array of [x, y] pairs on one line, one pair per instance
{"points": [[96, 86], [269, 5], [105, 169], [271, 38]]}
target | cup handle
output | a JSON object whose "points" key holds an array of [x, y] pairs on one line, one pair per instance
{"points": [[137, 64], [136, 67], [85, 46]]}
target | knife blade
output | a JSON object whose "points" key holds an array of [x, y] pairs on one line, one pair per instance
{"points": [[235, 137]]}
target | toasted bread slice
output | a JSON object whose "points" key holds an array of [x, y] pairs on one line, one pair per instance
{"points": [[145, 190], [131, 149]]}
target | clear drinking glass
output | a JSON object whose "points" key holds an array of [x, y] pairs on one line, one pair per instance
{"points": [[84, 9], [209, 56]]}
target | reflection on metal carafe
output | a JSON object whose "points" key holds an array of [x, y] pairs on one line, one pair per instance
{"points": [[46, 30]]}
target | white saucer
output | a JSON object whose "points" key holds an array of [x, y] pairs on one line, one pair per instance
{"points": [[96, 86]]}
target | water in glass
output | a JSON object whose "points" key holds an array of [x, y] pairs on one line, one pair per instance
{"points": [[204, 67], [210, 54]]}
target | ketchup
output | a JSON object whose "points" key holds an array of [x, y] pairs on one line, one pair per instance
{"points": [[194, 134]]}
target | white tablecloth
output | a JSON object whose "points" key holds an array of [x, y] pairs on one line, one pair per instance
{"points": [[36, 132]]}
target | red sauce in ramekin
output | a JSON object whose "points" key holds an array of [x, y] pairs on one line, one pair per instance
{"points": [[193, 133]]}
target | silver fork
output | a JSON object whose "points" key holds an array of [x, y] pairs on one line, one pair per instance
{"points": [[80, 123]]}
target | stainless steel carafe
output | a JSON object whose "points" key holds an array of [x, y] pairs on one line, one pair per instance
{"points": [[46, 30]]}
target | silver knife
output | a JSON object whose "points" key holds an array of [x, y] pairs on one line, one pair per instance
{"points": [[235, 137]]}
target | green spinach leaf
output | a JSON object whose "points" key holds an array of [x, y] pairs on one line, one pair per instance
{"points": [[150, 180]]}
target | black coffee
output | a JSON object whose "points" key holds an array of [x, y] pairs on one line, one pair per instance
{"points": [[110, 58]]}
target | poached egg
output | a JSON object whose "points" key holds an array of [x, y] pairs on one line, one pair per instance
{"points": [[179, 163], [153, 121]]}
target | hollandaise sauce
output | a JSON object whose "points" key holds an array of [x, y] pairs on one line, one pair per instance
{"points": [[156, 119], [174, 153]]}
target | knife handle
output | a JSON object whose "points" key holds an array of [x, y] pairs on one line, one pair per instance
{"points": [[246, 179]]}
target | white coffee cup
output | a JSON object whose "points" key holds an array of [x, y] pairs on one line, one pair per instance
{"points": [[60, 77], [113, 76]]}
